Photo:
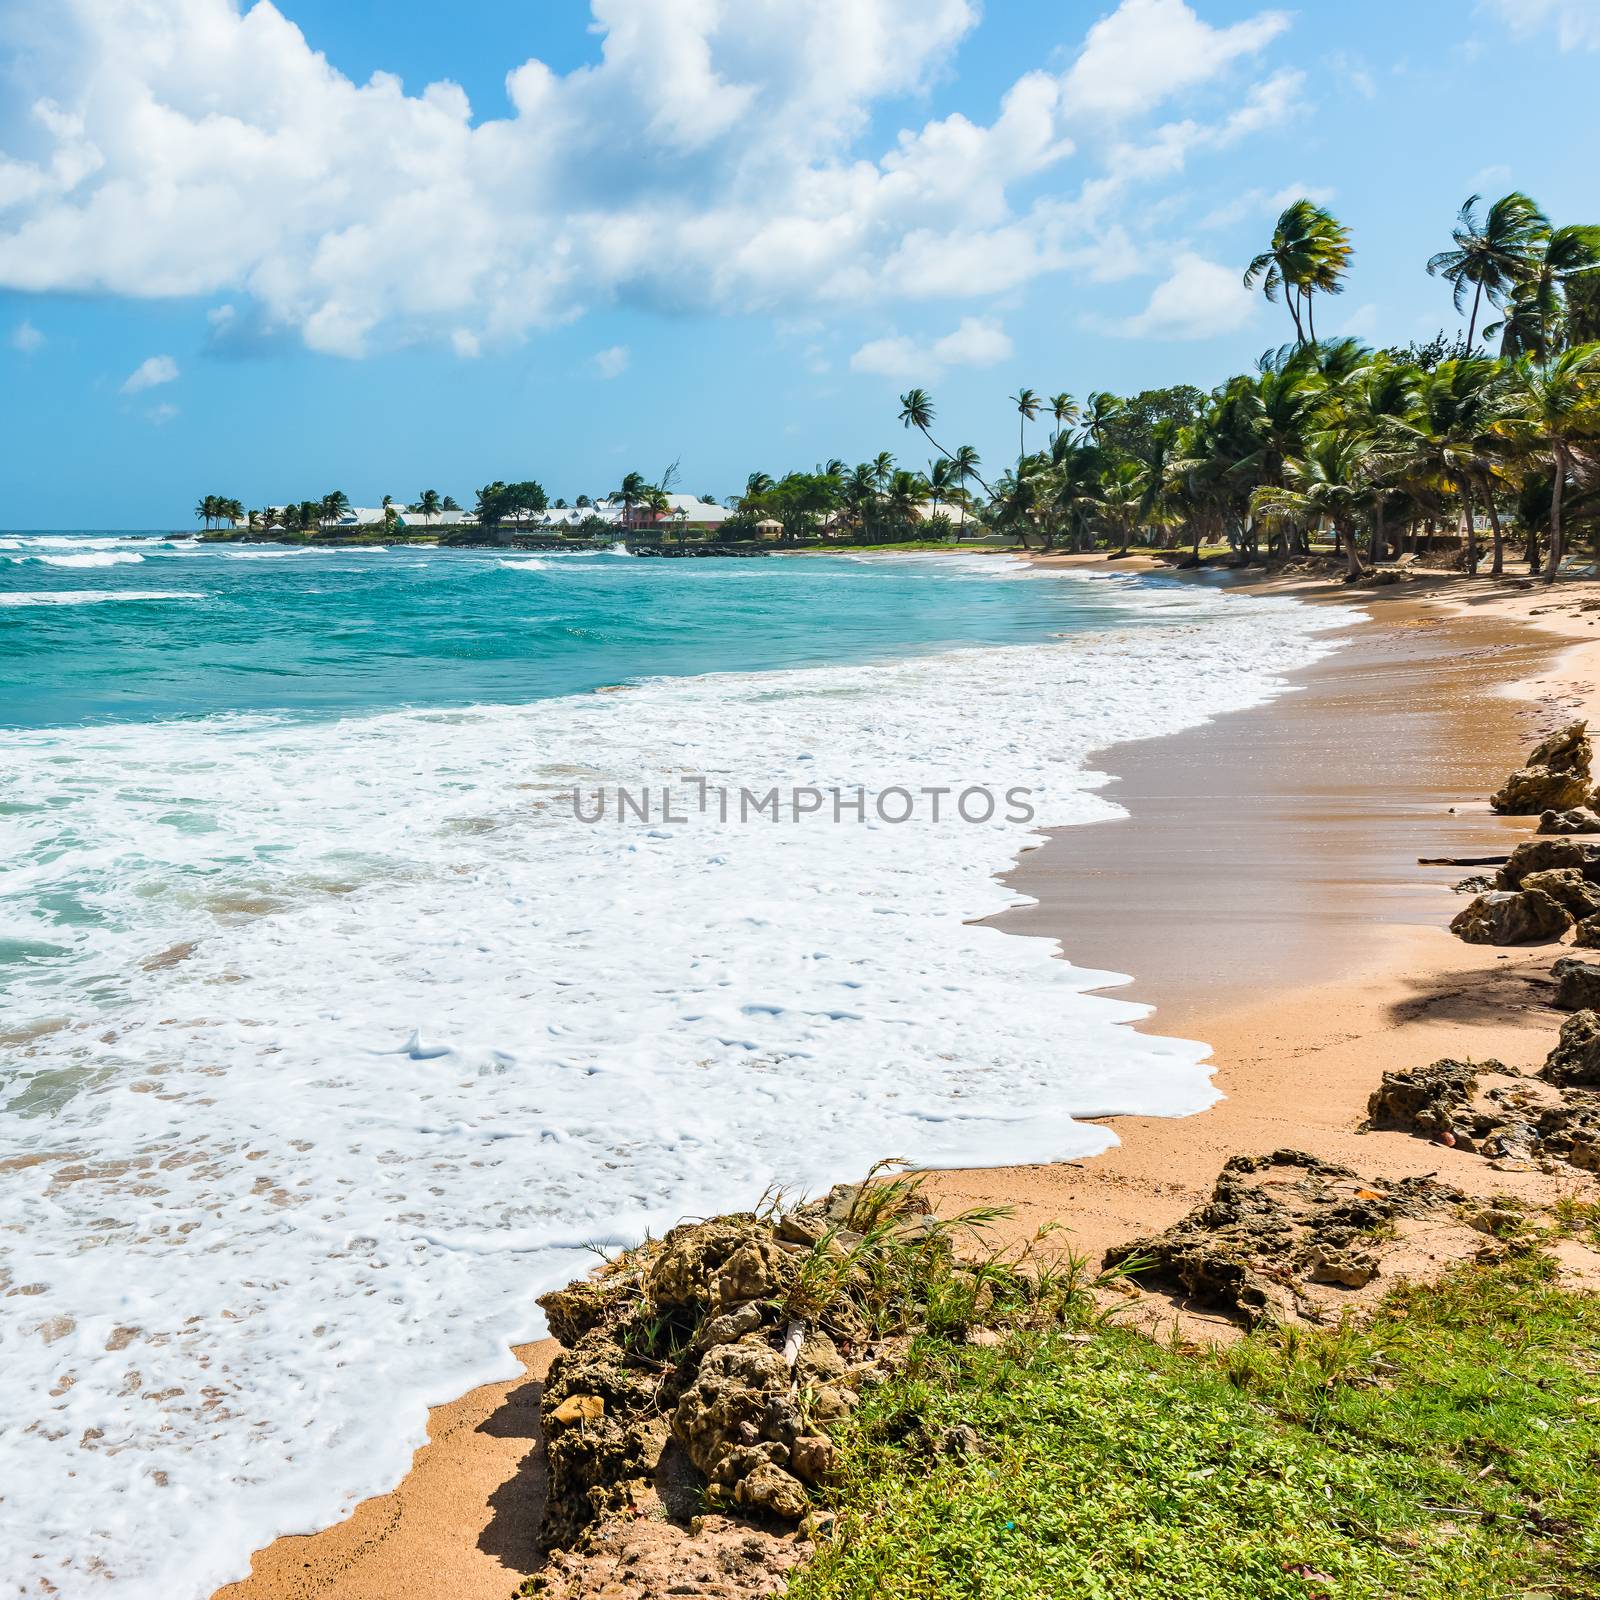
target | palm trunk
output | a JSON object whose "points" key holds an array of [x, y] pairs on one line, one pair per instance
{"points": [[1472, 324], [1465, 488], [1352, 551], [1380, 542], [1311, 317], [1291, 298], [1497, 567], [1555, 513]]}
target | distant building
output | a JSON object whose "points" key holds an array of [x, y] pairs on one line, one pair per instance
{"points": [[686, 511], [440, 519]]}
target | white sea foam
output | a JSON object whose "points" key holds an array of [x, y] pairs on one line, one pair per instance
{"points": [[96, 558], [523, 564], [433, 1035], [88, 597]]}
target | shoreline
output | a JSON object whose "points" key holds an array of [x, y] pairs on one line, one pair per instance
{"points": [[1292, 1057]]}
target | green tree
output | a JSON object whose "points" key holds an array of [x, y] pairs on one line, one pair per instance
{"points": [[1489, 259]]}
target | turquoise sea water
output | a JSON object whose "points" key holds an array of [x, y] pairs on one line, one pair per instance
{"points": [[264, 627], [330, 1037]]}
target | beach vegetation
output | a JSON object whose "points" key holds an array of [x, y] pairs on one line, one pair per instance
{"points": [[1448, 1446]]}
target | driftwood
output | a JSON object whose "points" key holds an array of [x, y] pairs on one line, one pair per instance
{"points": [[1462, 861]]}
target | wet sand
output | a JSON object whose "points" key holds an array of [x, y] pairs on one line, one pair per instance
{"points": [[1265, 889]]}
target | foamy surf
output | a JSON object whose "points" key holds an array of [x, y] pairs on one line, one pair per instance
{"points": [[359, 1035], [89, 597]]}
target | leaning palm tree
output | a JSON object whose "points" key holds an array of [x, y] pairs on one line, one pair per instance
{"points": [[916, 411], [1330, 261], [1099, 409], [1027, 404], [1122, 492], [1284, 264], [1553, 410], [1492, 257]]}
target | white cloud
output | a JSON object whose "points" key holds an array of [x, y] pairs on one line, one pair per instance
{"points": [[465, 343], [150, 372], [161, 414], [976, 342], [1577, 22], [1148, 50], [709, 160], [611, 362], [26, 338], [1198, 301]]}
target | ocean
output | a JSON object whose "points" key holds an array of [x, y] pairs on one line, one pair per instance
{"points": [[332, 1031]]}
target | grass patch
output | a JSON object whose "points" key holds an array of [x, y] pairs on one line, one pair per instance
{"points": [[1450, 1447]]}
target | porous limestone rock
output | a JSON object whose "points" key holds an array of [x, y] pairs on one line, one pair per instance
{"points": [[1568, 887], [1509, 916], [1575, 1061], [1555, 778], [1577, 819], [1577, 984], [1545, 855]]}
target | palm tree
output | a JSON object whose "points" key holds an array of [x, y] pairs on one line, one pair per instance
{"points": [[1027, 404], [1309, 254], [1493, 257], [428, 504], [1554, 409], [901, 499], [1326, 484], [1284, 264], [1065, 411], [205, 509], [882, 470], [1442, 440], [632, 490], [1098, 410], [335, 505], [1122, 491], [916, 411], [964, 468], [860, 493]]}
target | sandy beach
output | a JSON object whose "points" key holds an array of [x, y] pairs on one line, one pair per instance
{"points": [[1265, 889]]}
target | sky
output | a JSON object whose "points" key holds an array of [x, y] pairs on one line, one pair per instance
{"points": [[268, 251]]}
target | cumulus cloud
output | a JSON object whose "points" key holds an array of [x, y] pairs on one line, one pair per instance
{"points": [[976, 342], [1198, 301], [1576, 22], [150, 372], [26, 338], [611, 362], [709, 160]]}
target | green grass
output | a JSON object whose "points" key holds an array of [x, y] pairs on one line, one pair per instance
{"points": [[1451, 1447]]}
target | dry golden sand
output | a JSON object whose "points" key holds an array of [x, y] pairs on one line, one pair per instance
{"points": [[1266, 890]]}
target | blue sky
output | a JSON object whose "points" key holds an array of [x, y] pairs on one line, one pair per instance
{"points": [[724, 231]]}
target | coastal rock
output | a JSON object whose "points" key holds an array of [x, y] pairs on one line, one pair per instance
{"points": [[756, 1270], [1577, 984], [1555, 778], [691, 1256], [814, 1458], [1544, 855], [1578, 819], [1274, 1223], [1586, 936], [1506, 916], [1529, 791], [1575, 1061], [727, 1400], [1429, 1100], [769, 1488], [1565, 750], [1568, 887]]}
